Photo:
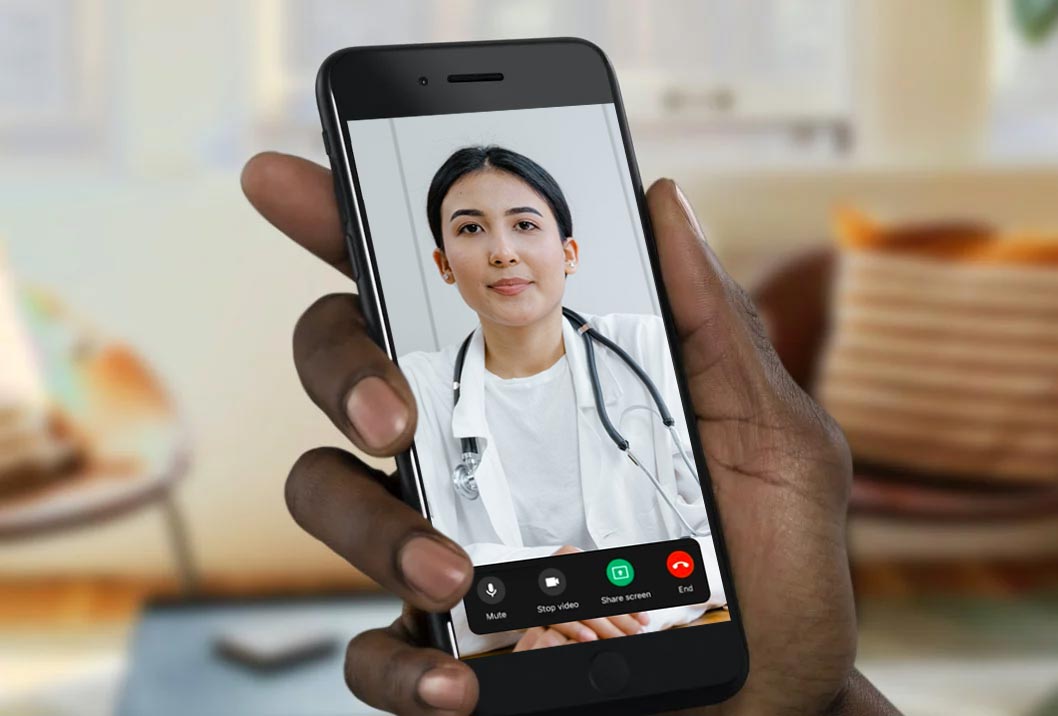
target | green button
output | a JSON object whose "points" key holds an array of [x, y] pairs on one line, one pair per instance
{"points": [[620, 572]]}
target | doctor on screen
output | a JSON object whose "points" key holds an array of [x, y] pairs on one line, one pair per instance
{"points": [[534, 438]]}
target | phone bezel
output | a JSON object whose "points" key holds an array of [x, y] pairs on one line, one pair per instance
{"points": [[670, 669]]}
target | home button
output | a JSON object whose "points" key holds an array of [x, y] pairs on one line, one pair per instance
{"points": [[609, 673]]}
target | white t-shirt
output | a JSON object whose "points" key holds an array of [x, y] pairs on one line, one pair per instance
{"points": [[534, 425]]}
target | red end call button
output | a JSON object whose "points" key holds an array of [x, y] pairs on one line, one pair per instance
{"points": [[680, 564]]}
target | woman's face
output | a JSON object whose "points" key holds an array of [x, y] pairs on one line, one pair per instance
{"points": [[503, 248]]}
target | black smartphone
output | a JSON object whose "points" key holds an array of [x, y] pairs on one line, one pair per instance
{"points": [[504, 258]]}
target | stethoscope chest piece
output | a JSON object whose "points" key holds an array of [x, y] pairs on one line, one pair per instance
{"points": [[466, 485], [463, 479]]}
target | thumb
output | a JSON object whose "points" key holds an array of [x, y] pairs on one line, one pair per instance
{"points": [[752, 417], [718, 327]]}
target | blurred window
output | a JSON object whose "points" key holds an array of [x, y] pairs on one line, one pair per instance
{"points": [[768, 77], [51, 78], [1025, 85]]}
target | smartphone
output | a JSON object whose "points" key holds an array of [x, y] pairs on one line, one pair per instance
{"points": [[503, 254]]}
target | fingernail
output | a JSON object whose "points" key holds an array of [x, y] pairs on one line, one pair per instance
{"points": [[443, 688], [376, 412], [432, 568], [587, 634], [686, 205], [643, 619]]}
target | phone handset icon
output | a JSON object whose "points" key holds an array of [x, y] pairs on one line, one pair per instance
{"points": [[680, 564]]}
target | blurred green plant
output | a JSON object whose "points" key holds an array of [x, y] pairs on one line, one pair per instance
{"points": [[1035, 19]]}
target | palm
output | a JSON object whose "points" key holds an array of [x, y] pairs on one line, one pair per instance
{"points": [[780, 470], [792, 582]]}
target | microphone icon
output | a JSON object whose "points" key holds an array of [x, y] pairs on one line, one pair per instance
{"points": [[491, 590]]}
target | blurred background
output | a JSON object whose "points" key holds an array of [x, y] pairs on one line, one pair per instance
{"points": [[882, 174]]}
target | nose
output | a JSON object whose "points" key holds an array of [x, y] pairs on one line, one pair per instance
{"points": [[503, 254]]}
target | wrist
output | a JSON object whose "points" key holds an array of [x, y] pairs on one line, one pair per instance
{"points": [[858, 697]]}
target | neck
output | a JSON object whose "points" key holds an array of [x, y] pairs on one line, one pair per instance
{"points": [[520, 351]]}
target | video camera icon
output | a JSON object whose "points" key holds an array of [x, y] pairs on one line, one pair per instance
{"points": [[552, 582]]}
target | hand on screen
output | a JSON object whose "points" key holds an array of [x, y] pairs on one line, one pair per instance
{"points": [[780, 469], [587, 630]]}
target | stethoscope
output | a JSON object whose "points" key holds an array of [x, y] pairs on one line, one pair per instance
{"points": [[463, 475]]}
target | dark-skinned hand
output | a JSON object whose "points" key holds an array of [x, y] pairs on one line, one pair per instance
{"points": [[780, 470]]}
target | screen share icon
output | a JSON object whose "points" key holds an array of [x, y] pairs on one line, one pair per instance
{"points": [[620, 572]]}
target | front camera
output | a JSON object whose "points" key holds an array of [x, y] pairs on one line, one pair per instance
{"points": [[423, 81]]}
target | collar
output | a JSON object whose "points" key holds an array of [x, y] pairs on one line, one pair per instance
{"points": [[468, 416]]}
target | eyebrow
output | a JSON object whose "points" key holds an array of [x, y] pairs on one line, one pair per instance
{"points": [[509, 212]]}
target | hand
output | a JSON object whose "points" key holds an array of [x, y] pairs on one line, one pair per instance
{"points": [[780, 469], [585, 630]]}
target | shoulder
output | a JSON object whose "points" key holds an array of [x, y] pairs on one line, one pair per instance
{"points": [[429, 375], [429, 368], [629, 326], [641, 335]]}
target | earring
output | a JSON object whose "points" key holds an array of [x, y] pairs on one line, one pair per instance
{"points": [[448, 275], [572, 264]]}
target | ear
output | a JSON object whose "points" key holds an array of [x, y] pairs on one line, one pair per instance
{"points": [[571, 251], [442, 266]]}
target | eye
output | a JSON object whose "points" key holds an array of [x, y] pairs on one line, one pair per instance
{"points": [[526, 225], [466, 226]]}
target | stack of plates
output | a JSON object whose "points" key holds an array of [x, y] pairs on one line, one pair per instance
{"points": [[943, 352]]}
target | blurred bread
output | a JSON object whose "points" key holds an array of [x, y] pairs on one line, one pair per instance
{"points": [[943, 351], [33, 440]]}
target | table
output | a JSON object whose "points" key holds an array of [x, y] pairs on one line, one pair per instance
{"points": [[136, 442]]}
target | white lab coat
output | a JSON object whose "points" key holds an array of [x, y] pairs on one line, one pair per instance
{"points": [[621, 504]]}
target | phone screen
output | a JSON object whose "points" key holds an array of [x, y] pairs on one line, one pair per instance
{"points": [[551, 439]]}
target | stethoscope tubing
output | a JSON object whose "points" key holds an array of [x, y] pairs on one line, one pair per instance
{"points": [[463, 476]]}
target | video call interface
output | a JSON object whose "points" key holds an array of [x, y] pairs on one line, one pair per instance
{"points": [[551, 440]]}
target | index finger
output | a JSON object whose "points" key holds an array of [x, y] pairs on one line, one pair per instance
{"points": [[297, 197]]}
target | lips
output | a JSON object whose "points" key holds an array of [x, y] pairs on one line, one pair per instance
{"points": [[510, 286]]}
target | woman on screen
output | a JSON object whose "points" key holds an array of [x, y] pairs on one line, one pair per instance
{"points": [[522, 464]]}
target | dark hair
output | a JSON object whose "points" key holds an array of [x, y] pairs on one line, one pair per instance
{"points": [[471, 159]]}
